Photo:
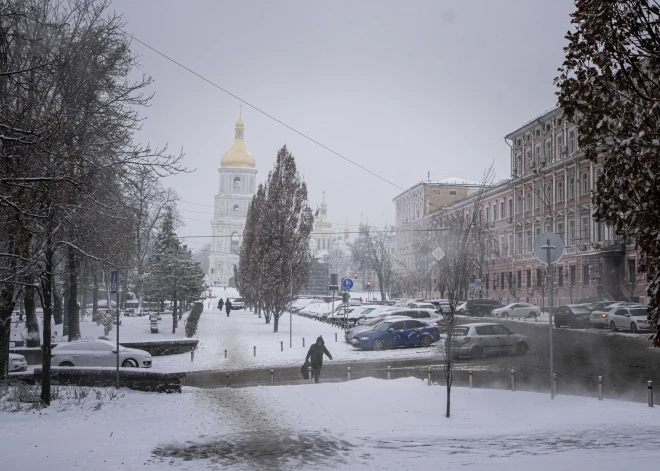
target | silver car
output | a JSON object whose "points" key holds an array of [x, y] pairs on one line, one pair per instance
{"points": [[98, 353], [479, 340], [17, 362]]}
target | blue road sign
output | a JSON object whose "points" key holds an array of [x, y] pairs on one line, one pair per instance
{"points": [[114, 281], [347, 283]]}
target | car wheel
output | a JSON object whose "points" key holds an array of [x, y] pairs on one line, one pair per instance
{"points": [[557, 323], [613, 327], [633, 327], [66, 363], [505, 315], [379, 344], [572, 323], [532, 315], [477, 352], [522, 348], [425, 341], [129, 363]]}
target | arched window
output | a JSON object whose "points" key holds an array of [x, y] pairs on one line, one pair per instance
{"points": [[237, 182], [585, 183], [560, 191], [235, 208], [571, 188], [233, 247]]}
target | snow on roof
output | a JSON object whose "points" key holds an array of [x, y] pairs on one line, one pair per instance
{"points": [[456, 181]]}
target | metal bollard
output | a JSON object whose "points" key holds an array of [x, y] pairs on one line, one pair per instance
{"points": [[309, 371], [600, 388], [513, 380], [225, 353], [388, 372], [554, 384], [192, 354], [335, 336], [470, 379], [428, 375], [281, 345], [254, 349], [303, 342], [348, 370], [272, 377], [650, 389], [227, 379]]}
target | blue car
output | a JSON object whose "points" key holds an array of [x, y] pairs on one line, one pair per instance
{"points": [[398, 333]]}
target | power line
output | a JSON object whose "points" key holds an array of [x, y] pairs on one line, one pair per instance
{"points": [[440, 229]]}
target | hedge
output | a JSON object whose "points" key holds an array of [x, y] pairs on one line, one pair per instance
{"points": [[193, 319], [132, 378]]}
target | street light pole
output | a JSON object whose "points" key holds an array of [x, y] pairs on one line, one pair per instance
{"points": [[548, 248]]}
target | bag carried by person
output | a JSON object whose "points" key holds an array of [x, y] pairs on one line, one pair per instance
{"points": [[305, 370]]}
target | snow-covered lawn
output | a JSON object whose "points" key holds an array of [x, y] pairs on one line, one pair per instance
{"points": [[363, 424]]}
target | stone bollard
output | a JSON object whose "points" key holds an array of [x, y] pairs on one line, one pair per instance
{"points": [[272, 378], [513, 380], [388, 372], [470, 379], [348, 371], [600, 388], [650, 392]]}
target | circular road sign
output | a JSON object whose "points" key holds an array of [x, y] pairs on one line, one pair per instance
{"points": [[347, 283], [541, 251]]}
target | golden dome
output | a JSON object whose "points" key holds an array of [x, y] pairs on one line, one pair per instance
{"points": [[238, 155]]}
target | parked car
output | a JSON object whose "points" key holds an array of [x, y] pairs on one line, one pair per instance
{"points": [[481, 307], [237, 304], [572, 315], [599, 316], [17, 362], [460, 308], [440, 304], [421, 305], [98, 353], [401, 333], [479, 340], [517, 310], [350, 333], [633, 318]]}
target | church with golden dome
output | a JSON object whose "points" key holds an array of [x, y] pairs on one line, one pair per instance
{"points": [[237, 186]]}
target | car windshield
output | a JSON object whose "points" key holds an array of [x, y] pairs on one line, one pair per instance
{"points": [[580, 310], [376, 320], [382, 326], [639, 312]]}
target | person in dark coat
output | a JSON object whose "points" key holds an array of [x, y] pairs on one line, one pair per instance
{"points": [[228, 306], [220, 304], [315, 356]]}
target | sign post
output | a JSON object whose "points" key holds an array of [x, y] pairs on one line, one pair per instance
{"points": [[114, 288], [347, 284], [548, 249]]}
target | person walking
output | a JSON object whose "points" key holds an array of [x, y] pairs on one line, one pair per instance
{"points": [[228, 306], [220, 304], [315, 357]]}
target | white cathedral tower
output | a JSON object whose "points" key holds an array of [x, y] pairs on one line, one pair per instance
{"points": [[237, 186]]}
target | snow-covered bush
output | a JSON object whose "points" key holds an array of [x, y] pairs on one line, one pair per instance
{"points": [[193, 319]]}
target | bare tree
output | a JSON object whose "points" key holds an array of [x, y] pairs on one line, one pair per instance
{"points": [[372, 251]]}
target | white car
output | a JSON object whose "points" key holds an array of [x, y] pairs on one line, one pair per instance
{"points": [[17, 362], [600, 316], [98, 353], [633, 318], [517, 310], [460, 309]]}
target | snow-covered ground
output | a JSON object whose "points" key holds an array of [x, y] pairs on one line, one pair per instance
{"points": [[362, 424]]}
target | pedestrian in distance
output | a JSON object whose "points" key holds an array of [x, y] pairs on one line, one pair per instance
{"points": [[228, 306], [220, 304], [315, 357]]}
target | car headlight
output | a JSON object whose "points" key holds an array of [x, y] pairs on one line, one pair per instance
{"points": [[15, 360], [364, 338]]}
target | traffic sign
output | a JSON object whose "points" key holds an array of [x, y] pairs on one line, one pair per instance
{"points": [[541, 244], [347, 283], [438, 254], [114, 281], [478, 283]]}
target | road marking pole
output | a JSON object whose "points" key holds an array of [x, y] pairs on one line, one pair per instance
{"points": [[513, 380], [348, 371], [554, 384], [255, 350], [335, 336], [281, 345], [470, 378], [303, 342], [388, 372], [650, 389], [309, 371], [428, 375], [272, 378], [600, 388]]}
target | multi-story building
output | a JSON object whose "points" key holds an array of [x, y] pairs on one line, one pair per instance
{"points": [[550, 190]]}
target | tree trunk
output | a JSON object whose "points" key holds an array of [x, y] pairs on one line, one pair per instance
{"points": [[95, 300], [72, 301], [31, 320], [174, 321], [276, 322], [58, 315], [46, 302], [6, 308]]}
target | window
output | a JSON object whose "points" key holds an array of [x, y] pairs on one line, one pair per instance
{"points": [[397, 325], [537, 194], [585, 183], [571, 142], [560, 272], [494, 211], [519, 204], [235, 208], [413, 324], [584, 232], [502, 209], [510, 245], [600, 232], [529, 240], [548, 149], [485, 330], [500, 330], [529, 278], [233, 245], [520, 243], [528, 201], [486, 213], [548, 194], [510, 213], [571, 232], [571, 188], [632, 270], [560, 147], [495, 278], [560, 191], [537, 153], [519, 284], [452, 192], [560, 231], [573, 275], [585, 275], [518, 168], [237, 182]]}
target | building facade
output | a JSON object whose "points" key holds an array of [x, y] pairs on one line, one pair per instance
{"points": [[236, 187]]}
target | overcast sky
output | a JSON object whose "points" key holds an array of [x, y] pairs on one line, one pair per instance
{"points": [[400, 87]]}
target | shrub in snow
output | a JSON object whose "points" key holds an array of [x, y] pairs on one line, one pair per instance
{"points": [[193, 319]]}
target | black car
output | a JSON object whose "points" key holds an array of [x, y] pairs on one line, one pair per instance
{"points": [[572, 315], [482, 307]]}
